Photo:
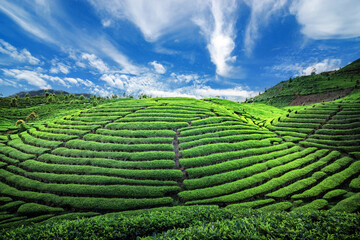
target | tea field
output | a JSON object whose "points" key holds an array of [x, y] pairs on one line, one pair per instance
{"points": [[152, 161]]}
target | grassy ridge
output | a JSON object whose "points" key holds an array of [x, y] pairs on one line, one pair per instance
{"points": [[285, 92]]}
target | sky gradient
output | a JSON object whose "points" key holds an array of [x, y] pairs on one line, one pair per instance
{"points": [[195, 48]]}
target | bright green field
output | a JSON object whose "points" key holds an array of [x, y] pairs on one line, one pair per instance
{"points": [[112, 162]]}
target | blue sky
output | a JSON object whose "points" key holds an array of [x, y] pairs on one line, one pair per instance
{"points": [[196, 48]]}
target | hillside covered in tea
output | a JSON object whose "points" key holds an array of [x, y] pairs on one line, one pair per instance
{"points": [[164, 154]]}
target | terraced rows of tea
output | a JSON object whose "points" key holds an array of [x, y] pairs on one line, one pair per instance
{"points": [[333, 125], [140, 154]]}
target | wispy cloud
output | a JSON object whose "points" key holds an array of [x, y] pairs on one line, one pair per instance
{"points": [[154, 18], [33, 78], [328, 19], [159, 68], [22, 56], [42, 80], [261, 12], [219, 32], [95, 62], [79, 81], [57, 67], [7, 83], [91, 52], [25, 20], [41, 19]]}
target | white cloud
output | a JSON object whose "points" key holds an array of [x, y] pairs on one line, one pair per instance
{"points": [[163, 50], [22, 56], [261, 11], [57, 67], [235, 94], [158, 18], [41, 19], [154, 18], [159, 68], [146, 84], [218, 29], [95, 62], [78, 81], [106, 23], [38, 79], [7, 83], [187, 78], [303, 69], [132, 85], [86, 82], [115, 80], [72, 81], [101, 91], [324, 66], [108, 49], [25, 20], [31, 77], [328, 19]]}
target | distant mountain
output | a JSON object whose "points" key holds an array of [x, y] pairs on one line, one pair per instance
{"points": [[42, 92], [326, 86]]}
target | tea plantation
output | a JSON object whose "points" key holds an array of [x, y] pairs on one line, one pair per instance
{"points": [[128, 168]]}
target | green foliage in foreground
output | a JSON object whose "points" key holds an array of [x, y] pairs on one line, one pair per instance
{"points": [[198, 222]]}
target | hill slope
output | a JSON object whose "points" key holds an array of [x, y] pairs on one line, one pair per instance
{"points": [[49, 91], [139, 154], [311, 89]]}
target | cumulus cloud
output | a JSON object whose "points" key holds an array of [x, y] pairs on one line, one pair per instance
{"points": [[159, 68], [303, 69], [261, 12], [22, 56], [328, 19]]}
